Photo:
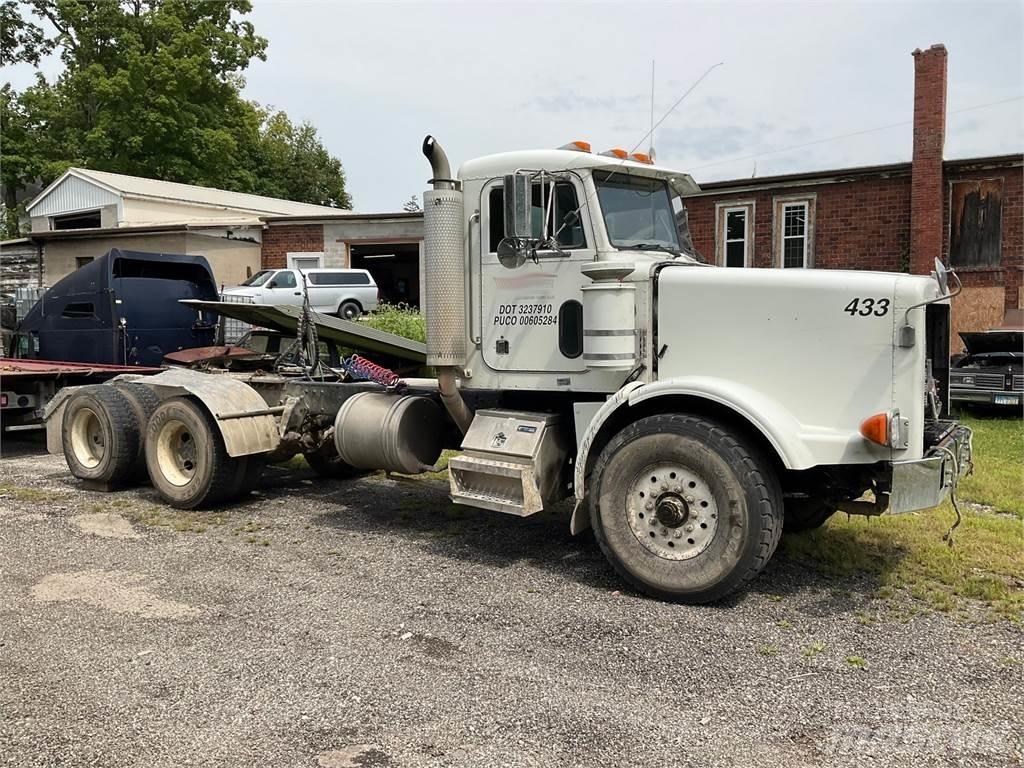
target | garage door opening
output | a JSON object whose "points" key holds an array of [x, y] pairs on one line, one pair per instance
{"points": [[395, 267]]}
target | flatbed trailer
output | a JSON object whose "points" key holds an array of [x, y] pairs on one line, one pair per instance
{"points": [[26, 386]]}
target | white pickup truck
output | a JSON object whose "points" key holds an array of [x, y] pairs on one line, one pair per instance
{"points": [[347, 293]]}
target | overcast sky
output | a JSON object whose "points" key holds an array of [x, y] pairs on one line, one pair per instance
{"points": [[489, 77]]}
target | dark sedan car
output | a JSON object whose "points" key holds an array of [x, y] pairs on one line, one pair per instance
{"points": [[992, 371]]}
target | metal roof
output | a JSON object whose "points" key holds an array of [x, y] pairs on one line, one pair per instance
{"points": [[170, 191], [834, 175]]}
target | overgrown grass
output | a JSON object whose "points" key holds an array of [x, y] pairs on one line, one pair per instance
{"points": [[398, 319], [998, 479], [986, 562]]}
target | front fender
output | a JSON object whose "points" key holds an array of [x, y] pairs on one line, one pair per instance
{"points": [[770, 418], [798, 446]]}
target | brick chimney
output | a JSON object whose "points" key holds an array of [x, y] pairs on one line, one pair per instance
{"points": [[926, 192]]}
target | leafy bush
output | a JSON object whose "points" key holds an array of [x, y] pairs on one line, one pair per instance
{"points": [[400, 320]]}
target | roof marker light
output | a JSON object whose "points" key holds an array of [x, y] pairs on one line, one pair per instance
{"points": [[640, 157], [577, 146], [619, 153]]}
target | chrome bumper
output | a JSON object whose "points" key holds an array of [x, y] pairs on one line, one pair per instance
{"points": [[925, 483], [1011, 397]]}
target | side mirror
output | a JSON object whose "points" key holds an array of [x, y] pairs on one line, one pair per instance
{"points": [[272, 284], [512, 252], [518, 224], [942, 277]]}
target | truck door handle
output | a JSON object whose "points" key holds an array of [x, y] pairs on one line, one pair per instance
{"points": [[298, 293]]}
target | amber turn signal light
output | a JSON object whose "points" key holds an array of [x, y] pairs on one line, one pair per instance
{"points": [[876, 429]]}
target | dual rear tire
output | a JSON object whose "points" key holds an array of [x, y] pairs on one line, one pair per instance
{"points": [[187, 461], [114, 436]]}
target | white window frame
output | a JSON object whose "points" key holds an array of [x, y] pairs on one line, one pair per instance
{"points": [[783, 237], [293, 255], [721, 210], [746, 211], [809, 202]]}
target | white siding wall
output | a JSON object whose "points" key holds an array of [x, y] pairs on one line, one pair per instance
{"points": [[72, 194]]}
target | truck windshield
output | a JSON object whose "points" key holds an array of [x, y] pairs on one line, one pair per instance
{"points": [[259, 278], [637, 211]]}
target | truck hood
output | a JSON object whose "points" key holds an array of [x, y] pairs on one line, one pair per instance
{"points": [[993, 341]]}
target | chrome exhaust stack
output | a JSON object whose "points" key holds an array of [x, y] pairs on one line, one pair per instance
{"points": [[445, 267]]}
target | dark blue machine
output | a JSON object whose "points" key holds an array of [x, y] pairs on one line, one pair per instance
{"points": [[122, 309]]}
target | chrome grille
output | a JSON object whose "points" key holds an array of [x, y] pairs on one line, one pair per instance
{"points": [[1018, 384], [990, 381], [978, 380]]}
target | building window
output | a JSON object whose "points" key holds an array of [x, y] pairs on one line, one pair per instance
{"points": [[794, 235], [734, 233], [81, 261], [305, 260], [84, 220], [794, 232], [975, 223], [735, 238]]}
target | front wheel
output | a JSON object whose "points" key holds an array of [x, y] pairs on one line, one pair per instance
{"points": [[684, 509]]}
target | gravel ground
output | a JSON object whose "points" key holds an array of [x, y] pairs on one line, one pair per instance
{"points": [[368, 623]]}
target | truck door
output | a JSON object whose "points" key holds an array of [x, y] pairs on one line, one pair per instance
{"points": [[282, 288], [532, 315]]}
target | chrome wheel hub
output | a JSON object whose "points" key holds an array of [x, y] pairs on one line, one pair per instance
{"points": [[672, 511]]}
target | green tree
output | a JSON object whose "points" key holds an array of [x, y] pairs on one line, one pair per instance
{"points": [[296, 164], [151, 88]]}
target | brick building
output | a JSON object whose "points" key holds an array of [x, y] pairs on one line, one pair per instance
{"points": [[388, 244], [895, 217]]}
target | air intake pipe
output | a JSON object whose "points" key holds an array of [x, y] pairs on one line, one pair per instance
{"points": [[445, 267]]}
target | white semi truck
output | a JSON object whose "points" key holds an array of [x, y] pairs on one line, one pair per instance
{"points": [[580, 350]]}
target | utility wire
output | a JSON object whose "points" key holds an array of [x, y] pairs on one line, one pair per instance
{"points": [[845, 136]]}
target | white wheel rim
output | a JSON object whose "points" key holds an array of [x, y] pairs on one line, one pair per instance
{"points": [[672, 511], [87, 440], [176, 453]]}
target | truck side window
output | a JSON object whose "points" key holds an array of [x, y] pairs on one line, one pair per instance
{"points": [[284, 280], [79, 310], [565, 201]]}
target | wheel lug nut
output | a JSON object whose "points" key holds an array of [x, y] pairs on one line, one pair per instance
{"points": [[689, 499], [679, 534], [649, 505], [689, 529]]}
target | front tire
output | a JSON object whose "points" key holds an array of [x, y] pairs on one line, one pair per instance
{"points": [[186, 458], [683, 509]]}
